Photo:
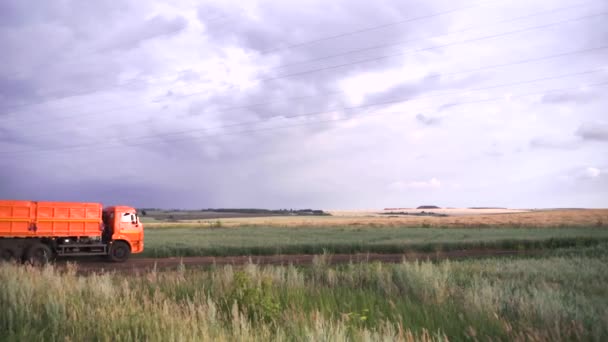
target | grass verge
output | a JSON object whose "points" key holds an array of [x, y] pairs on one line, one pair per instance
{"points": [[558, 297]]}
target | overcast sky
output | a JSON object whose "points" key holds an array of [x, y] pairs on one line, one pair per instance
{"points": [[293, 104]]}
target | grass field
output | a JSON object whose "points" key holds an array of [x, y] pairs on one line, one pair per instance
{"points": [[558, 297], [461, 218], [179, 241]]}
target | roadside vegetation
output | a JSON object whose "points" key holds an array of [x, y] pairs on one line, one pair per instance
{"points": [[560, 296], [222, 241]]}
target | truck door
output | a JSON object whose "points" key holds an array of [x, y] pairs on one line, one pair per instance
{"points": [[132, 230]]}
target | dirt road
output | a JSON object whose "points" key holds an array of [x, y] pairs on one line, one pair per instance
{"points": [[137, 265]]}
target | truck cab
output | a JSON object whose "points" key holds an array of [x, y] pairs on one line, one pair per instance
{"points": [[122, 231]]}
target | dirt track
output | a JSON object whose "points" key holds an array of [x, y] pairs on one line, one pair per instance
{"points": [[136, 265]]}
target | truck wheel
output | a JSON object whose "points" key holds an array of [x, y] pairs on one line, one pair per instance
{"points": [[119, 251], [38, 254]]}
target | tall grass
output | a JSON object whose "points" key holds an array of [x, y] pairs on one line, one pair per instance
{"points": [[561, 297]]}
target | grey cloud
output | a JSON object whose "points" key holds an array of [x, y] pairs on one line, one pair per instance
{"points": [[406, 90], [553, 143], [593, 132], [277, 99], [83, 18], [207, 12], [189, 76], [14, 92], [414, 89], [154, 27], [111, 192], [12, 137], [447, 106], [428, 120], [63, 62], [278, 26], [12, 13], [566, 97]]}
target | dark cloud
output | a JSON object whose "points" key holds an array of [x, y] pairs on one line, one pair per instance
{"points": [[296, 36], [554, 144], [406, 90], [569, 97], [114, 192], [14, 92], [10, 136], [276, 25], [428, 120], [593, 132], [280, 99], [157, 26], [65, 59]]}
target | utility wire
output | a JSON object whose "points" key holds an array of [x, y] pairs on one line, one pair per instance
{"points": [[254, 131], [98, 51], [136, 80], [382, 46], [374, 28], [483, 68], [394, 101], [374, 59], [363, 30], [385, 57], [80, 146]]}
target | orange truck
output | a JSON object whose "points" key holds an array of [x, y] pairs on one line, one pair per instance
{"points": [[38, 231]]}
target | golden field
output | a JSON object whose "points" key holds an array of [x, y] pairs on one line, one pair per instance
{"points": [[457, 218]]}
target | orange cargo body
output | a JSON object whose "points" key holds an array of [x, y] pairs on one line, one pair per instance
{"points": [[49, 219]]}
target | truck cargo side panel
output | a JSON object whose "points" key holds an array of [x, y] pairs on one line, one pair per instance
{"points": [[68, 219], [49, 219], [16, 218]]}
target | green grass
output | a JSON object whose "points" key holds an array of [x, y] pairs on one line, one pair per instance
{"points": [[560, 296], [169, 242]]}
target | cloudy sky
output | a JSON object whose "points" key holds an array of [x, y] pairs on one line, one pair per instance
{"points": [[292, 104]]}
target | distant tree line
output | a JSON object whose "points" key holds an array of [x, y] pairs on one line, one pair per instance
{"points": [[428, 207], [422, 213], [267, 211], [251, 211]]}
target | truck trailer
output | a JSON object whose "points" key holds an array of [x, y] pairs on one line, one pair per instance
{"points": [[37, 232]]}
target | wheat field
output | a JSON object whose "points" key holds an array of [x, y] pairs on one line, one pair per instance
{"points": [[457, 218]]}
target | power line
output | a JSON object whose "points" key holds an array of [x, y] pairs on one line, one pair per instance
{"points": [[373, 28], [72, 147], [95, 52], [374, 59], [382, 103], [362, 30], [483, 68], [124, 84], [396, 55], [381, 46], [254, 131], [136, 80]]}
